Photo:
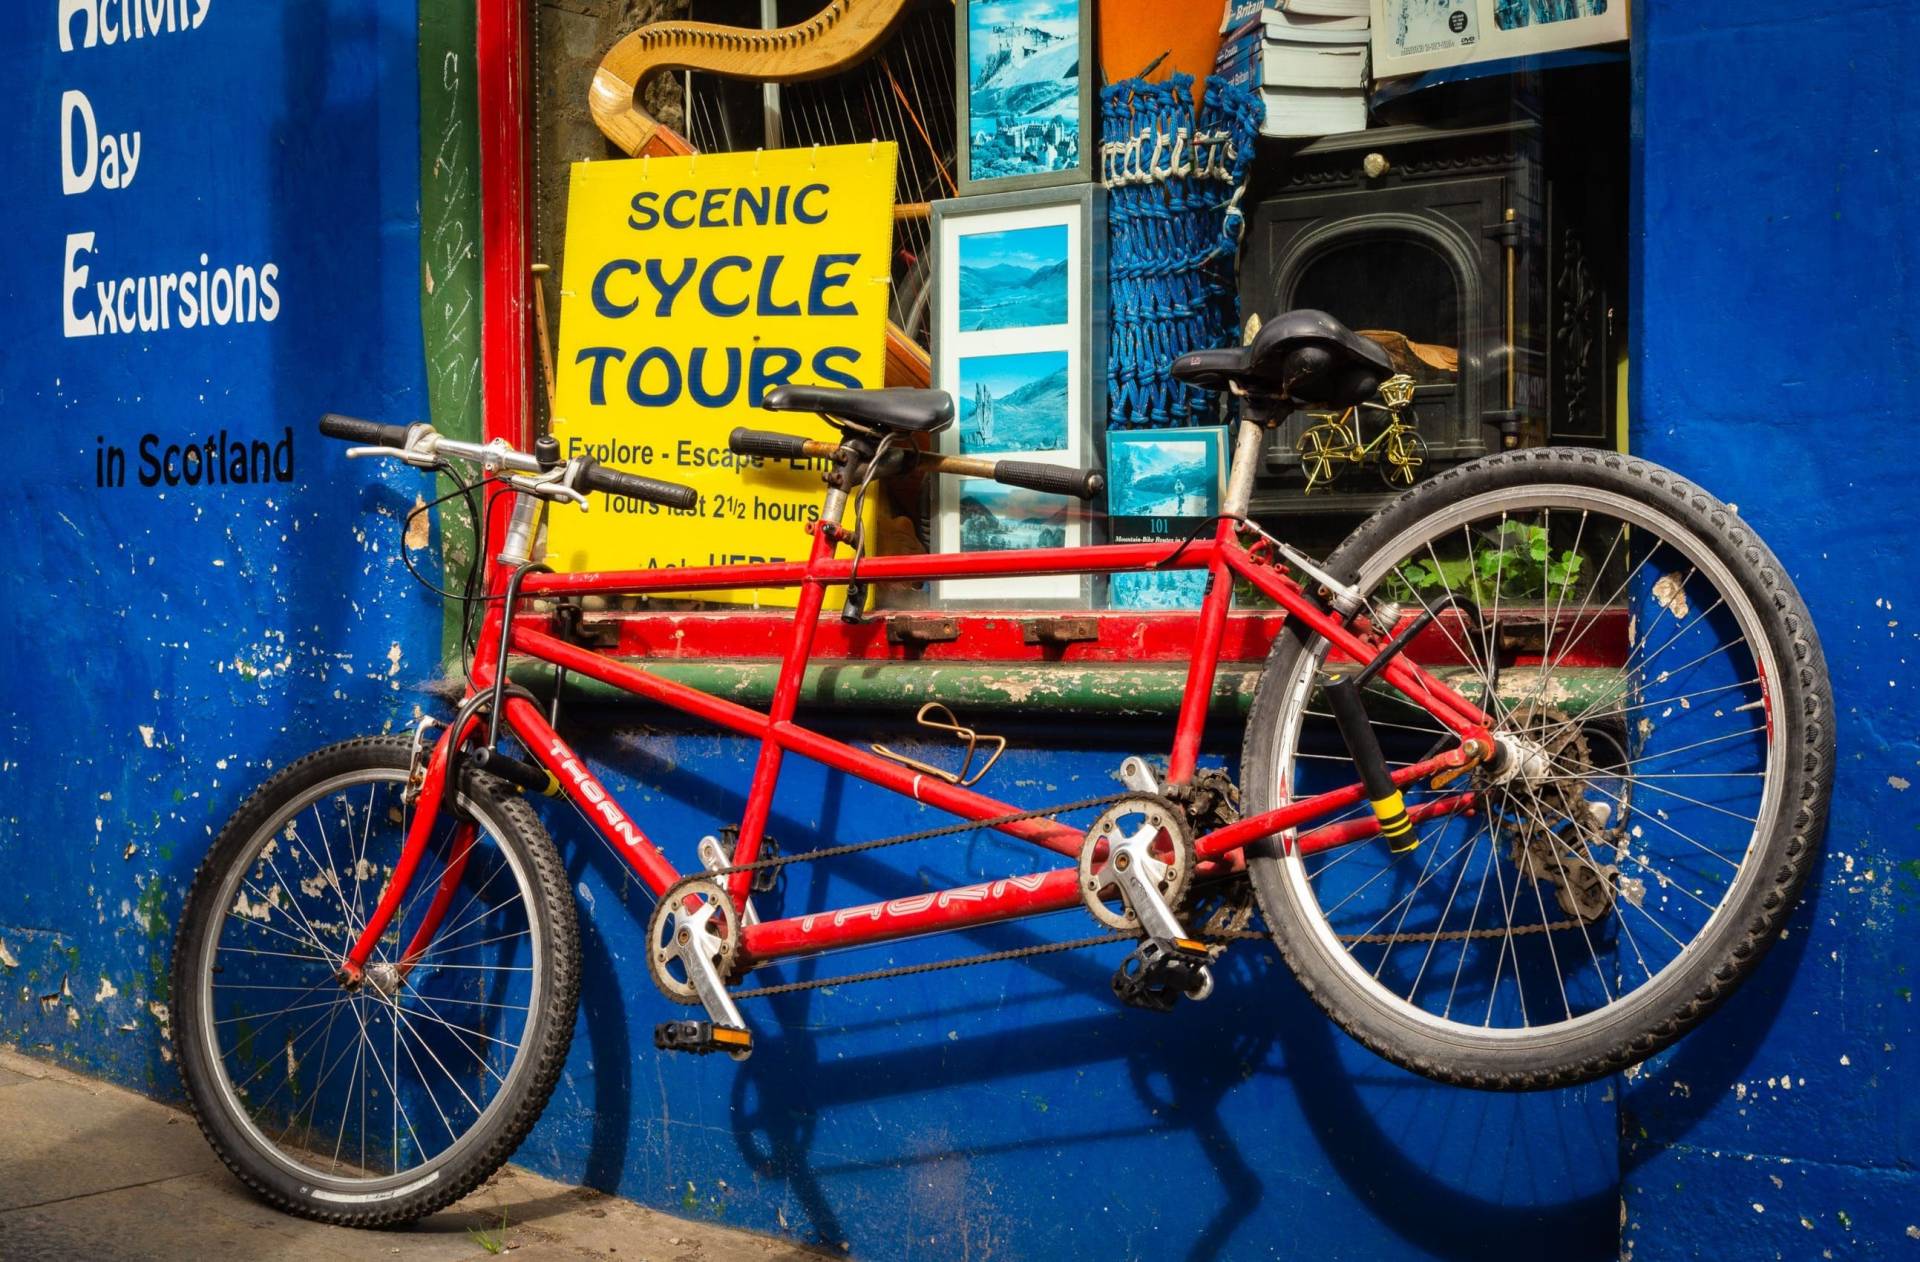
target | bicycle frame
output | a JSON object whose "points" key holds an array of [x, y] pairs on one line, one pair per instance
{"points": [[1222, 557]]}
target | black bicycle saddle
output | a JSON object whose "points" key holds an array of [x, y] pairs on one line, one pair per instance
{"points": [[1304, 357]]}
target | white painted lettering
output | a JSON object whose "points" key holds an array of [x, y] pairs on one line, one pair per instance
{"points": [[115, 21], [112, 159], [75, 282], [75, 178], [85, 9]]}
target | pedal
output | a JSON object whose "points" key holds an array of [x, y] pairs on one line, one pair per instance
{"points": [[1170, 962], [703, 1038], [1159, 971]]}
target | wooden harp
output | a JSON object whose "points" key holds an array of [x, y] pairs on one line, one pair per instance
{"points": [[837, 38]]}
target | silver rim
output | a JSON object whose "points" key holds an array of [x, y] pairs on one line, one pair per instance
{"points": [[327, 1041], [1642, 952]]}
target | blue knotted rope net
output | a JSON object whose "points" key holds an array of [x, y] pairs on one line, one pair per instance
{"points": [[1175, 174]]}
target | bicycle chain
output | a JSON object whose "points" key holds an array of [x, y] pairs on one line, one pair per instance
{"points": [[1043, 948]]}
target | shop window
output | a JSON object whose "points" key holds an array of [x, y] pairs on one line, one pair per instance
{"points": [[1476, 228]]}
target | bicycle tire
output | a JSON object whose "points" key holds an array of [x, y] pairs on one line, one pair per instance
{"points": [[525, 1088], [1679, 998]]}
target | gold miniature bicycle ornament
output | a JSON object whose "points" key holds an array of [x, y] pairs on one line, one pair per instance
{"points": [[1330, 444]]}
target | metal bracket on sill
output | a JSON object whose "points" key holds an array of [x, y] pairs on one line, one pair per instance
{"points": [[570, 624], [916, 631], [1059, 631]]}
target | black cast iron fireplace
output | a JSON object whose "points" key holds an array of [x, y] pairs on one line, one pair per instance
{"points": [[1445, 243]]}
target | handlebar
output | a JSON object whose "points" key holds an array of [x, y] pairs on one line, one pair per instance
{"points": [[1031, 475], [595, 476], [424, 447], [354, 430], [762, 442], [1051, 478]]}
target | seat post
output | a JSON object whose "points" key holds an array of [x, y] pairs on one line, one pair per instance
{"points": [[1248, 441]]}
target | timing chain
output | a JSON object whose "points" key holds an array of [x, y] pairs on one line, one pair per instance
{"points": [[1037, 949]]}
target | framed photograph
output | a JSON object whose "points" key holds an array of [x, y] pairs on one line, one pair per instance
{"points": [[1161, 483], [1415, 35], [1025, 96], [1019, 340]]}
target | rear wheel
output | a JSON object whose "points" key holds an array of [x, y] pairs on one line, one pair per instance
{"points": [[382, 1103], [1667, 711]]}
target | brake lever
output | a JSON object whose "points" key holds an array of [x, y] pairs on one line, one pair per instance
{"points": [[418, 459], [421, 450], [549, 487]]}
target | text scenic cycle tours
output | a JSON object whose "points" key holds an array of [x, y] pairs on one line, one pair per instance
{"points": [[692, 286], [100, 299]]}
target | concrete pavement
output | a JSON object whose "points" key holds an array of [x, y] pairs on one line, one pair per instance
{"points": [[88, 1170]]}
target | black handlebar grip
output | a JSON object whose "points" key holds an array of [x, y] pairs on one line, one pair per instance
{"points": [[1052, 478], [597, 477], [352, 429], [760, 442]]}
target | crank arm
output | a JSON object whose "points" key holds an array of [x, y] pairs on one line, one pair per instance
{"points": [[1151, 910], [706, 979], [713, 857]]}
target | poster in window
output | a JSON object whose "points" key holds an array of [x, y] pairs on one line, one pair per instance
{"points": [[1415, 35], [1161, 485], [1025, 93], [1019, 336]]}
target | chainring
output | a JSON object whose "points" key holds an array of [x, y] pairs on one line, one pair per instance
{"points": [[1172, 861], [662, 927]]}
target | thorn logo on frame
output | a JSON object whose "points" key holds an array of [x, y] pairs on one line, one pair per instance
{"points": [[596, 796]]}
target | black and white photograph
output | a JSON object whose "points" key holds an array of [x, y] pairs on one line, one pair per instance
{"points": [[1157, 474], [1415, 35], [1167, 589], [1428, 26]]}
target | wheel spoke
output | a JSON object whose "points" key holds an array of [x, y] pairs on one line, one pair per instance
{"points": [[1585, 557], [280, 1009]]}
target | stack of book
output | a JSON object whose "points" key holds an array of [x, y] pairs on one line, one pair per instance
{"points": [[1314, 71], [1238, 61]]}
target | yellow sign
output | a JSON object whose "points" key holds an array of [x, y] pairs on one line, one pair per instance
{"points": [[691, 287]]}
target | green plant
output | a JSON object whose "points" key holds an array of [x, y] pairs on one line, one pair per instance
{"points": [[1519, 563], [492, 1242]]}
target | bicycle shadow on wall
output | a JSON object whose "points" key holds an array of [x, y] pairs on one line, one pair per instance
{"points": [[1452, 1172], [1455, 1173], [1680, 1087]]}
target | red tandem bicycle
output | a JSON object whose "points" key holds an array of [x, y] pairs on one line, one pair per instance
{"points": [[1531, 779]]}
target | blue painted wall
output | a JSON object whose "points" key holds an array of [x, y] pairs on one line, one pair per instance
{"points": [[207, 634], [1018, 1110], [174, 643], [1774, 358]]}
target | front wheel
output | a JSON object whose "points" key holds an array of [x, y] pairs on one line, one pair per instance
{"points": [[1657, 685], [378, 1104]]}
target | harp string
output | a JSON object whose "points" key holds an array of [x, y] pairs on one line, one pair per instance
{"points": [[904, 92]]}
